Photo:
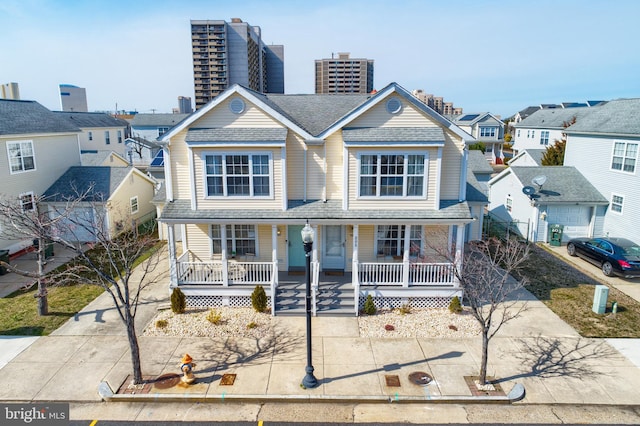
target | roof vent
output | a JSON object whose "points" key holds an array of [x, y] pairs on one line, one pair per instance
{"points": [[394, 106], [237, 106]]}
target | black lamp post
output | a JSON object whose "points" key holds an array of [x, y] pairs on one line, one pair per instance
{"points": [[309, 380]]}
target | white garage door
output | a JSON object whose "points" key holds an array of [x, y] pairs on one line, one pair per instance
{"points": [[574, 218], [79, 226]]}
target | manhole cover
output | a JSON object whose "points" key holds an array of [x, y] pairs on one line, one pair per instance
{"points": [[392, 381], [420, 378], [166, 381], [227, 379]]}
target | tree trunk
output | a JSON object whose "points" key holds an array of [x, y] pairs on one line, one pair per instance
{"points": [[134, 348], [485, 357], [43, 303]]}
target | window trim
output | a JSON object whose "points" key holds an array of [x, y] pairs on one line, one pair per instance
{"points": [[131, 203], [493, 131], [162, 131], [621, 203], [624, 157], [405, 175], [508, 204], [107, 137], [119, 135], [231, 237], [225, 194], [32, 202], [544, 137], [90, 135], [33, 155]]}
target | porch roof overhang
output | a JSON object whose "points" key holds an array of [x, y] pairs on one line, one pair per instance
{"points": [[236, 136], [395, 136], [318, 212]]}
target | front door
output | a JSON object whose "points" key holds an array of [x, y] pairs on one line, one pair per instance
{"points": [[333, 247], [297, 261]]}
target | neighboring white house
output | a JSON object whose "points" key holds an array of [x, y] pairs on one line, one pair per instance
{"points": [[528, 157], [545, 126], [36, 147], [153, 126], [485, 128], [100, 131], [115, 199], [141, 152], [536, 197], [604, 147], [103, 158]]}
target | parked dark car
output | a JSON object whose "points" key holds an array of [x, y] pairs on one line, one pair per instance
{"points": [[615, 256]]}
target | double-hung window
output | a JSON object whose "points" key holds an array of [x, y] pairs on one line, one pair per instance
{"points": [[133, 204], [119, 136], [107, 137], [617, 201], [390, 240], [238, 175], [392, 175], [488, 132], [624, 156], [241, 239], [27, 202], [544, 137], [21, 156]]}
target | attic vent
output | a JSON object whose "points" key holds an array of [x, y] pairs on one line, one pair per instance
{"points": [[237, 106], [394, 106]]}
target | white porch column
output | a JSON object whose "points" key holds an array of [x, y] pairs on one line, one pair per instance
{"points": [[355, 260], [459, 249], [405, 256], [173, 272], [223, 249], [274, 252], [315, 243]]}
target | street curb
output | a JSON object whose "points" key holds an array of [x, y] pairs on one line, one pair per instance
{"points": [[517, 393]]}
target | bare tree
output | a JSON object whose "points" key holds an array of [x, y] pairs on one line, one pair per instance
{"points": [[23, 219]]}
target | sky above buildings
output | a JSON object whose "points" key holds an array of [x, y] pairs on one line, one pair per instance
{"points": [[497, 56]]}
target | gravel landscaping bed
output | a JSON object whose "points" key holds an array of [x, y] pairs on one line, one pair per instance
{"points": [[246, 322]]}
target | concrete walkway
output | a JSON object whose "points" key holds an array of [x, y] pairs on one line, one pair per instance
{"points": [[537, 350]]}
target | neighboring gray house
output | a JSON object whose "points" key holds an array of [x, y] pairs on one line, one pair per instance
{"points": [[565, 197], [478, 174], [485, 128], [603, 146], [100, 131], [152, 126], [528, 157], [36, 147]]}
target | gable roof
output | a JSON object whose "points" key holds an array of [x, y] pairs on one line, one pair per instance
{"points": [[470, 119], [98, 157], [534, 153], [79, 179], [554, 118], [477, 162], [154, 120], [28, 117], [564, 184], [92, 119], [617, 117]]}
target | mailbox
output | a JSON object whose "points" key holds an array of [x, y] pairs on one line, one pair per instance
{"points": [[555, 234]]}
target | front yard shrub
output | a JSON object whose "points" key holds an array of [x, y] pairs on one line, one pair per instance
{"points": [[214, 317], [259, 299], [455, 306], [404, 309], [369, 306], [178, 301], [162, 323]]}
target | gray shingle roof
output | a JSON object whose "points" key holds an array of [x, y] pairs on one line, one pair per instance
{"points": [[564, 185], [535, 154], [78, 180], [94, 158], [317, 211], [621, 116], [154, 120], [24, 117], [244, 134], [554, 118], [477, 162], [92, 119], [393, 134]]}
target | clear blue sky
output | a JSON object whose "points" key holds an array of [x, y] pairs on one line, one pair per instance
{"points": [[497, 56]]}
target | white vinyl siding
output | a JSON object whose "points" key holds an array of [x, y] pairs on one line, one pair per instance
{"points": [[378, 116], [222, 116]]}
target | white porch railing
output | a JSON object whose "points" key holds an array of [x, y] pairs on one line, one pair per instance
{"points": [[420, 274], [212, 273]]}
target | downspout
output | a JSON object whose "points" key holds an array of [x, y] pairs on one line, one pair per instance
{"points": [[304, 178], [167, 173], [463, 174], [324, 168]]}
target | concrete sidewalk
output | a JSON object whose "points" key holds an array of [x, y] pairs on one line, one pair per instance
{"points": [[537, 350]]}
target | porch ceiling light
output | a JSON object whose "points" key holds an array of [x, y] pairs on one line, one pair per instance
{"points": [[307, 234]]}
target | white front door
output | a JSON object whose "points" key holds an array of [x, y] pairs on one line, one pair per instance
{"points": [[333, 247]]}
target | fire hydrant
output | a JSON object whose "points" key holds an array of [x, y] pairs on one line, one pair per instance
{"points": [[187, 366]]}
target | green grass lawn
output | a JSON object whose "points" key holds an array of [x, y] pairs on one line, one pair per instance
{"points": [[19, 310]]}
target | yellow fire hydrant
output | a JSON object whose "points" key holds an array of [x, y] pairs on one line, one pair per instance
{"points": [[187, 366]]}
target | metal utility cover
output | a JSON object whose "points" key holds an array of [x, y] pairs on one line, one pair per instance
{"points": [[393, 381], [420, 378], [227, 379]]}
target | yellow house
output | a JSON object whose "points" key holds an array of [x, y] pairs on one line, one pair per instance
{"points": [[380, 178]]}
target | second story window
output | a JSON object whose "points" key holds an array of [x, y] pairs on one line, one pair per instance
{"points": [[162, 131], [21, 156], [238, 175], [90, 136], [107, 138], [392, 175], [488, 132], [544, 137], [624, 156], [119, 136]]}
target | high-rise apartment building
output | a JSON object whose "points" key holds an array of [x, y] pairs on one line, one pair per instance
{"points": [[436, 103], [344, 75], [184, 105], [73, 98], [225, 53], [10, 91]]}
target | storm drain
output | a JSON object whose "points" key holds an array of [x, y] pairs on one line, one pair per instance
{"points": [[393, 381], [420, 378], [227, 379]]}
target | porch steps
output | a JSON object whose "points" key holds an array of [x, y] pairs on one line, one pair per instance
{"points": [[335, 299], [290, 298]]}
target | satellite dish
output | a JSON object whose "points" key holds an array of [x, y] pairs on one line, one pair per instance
{"points": [[539, 180], [528, 190]]}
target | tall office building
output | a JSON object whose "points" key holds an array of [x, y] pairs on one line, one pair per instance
{"points": [[344, 75], [73, 98], [225, 53], [184, 105], [10, 91]]}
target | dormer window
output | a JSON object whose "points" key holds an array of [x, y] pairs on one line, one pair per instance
{"points": [[392, 175], [238, 175]]}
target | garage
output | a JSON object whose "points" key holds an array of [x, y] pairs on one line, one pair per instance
{"points": [[576, 220], [79, 226]]}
